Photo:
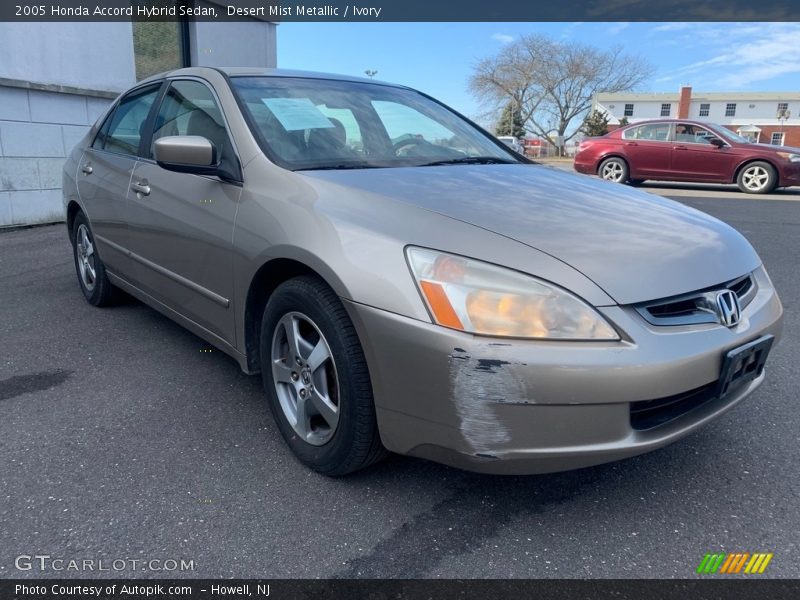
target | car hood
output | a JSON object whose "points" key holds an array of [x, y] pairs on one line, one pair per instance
{"points": [[771, 148], [635, 246]]}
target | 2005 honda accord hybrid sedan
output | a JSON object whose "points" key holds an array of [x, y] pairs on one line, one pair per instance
{"points": [[404, 282]]}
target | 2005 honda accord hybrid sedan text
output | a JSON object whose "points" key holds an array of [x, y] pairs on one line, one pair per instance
{"points": [[405, 282]]}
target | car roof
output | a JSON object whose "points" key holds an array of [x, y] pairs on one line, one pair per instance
{"points": [[261, 72], [665, 120]]}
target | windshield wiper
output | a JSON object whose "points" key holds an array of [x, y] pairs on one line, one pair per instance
{"points": [[470, 160], [340, 167]]}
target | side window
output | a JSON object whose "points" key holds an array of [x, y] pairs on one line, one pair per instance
{"points": [[102, 134], [189, 108], [691, 134], [654, 132], [127, 122]]}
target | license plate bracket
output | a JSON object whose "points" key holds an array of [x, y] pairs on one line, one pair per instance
{"points": [[743, 364]]}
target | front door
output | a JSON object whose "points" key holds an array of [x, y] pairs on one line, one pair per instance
{"points": [[695, 158], [181, 224]]}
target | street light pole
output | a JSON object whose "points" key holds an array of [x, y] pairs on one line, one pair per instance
{"points": [[783, 115], [371, 73]]}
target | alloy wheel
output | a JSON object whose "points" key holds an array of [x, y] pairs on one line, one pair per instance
{"points": [[305, 378], [612, 171], [85, 253], [755, 178]]}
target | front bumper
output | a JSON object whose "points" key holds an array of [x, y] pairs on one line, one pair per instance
{"points": [[517, 406], [789, 175]]}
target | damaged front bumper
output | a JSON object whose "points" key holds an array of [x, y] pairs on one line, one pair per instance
{"points": [[523, 406]]}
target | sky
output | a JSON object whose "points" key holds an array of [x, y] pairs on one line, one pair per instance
{"points": [[437, 58]]}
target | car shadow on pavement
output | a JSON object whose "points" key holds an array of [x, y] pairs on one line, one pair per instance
{"points": [[714, 187]]}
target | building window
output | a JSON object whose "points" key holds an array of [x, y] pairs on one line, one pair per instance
{"points": [[783, 106], [158, 46], [704, 110], [777, 138], [665, 109], [628, 110], [730, 109]]}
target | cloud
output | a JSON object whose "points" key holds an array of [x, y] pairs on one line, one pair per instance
{"points": [[674, 26], [617, 28], [734, 55], [503, 38], [570, 29]]}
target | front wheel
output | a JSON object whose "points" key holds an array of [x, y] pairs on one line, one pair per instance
{"points": [[614, 169], [757, 178], [316, 379]]}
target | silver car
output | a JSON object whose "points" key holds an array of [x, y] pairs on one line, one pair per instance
{"points": [[405, 283]]}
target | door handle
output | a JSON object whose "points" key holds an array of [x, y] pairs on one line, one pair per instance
{"points": [[141, 187], [87, 169], [679, 148], [631, 143]]}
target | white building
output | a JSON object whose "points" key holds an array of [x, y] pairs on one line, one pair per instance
{"points": [[57, 78]]}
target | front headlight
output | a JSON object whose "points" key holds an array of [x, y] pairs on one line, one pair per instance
{"points": [[480, 298], [790, 156]]}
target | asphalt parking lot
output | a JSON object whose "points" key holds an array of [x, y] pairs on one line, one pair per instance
{"points": [[121, 439]]}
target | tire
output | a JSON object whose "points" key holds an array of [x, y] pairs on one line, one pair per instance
{"points": [[613, 169], [92, 277], [757, 177], [329, 378]]}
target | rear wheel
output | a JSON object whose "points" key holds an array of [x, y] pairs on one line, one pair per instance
{"points": [[316, 379], [614, 169], [757, 178], [92, 277]]}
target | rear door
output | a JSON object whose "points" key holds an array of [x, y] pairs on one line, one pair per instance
{"points": [[104, 175], [181, 224], [693, 157], [648, 150]]}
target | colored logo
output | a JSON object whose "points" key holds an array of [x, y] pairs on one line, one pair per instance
{"points": [[734, 563]]}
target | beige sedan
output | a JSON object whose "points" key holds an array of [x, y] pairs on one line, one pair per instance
{"points": [[402, 281]]}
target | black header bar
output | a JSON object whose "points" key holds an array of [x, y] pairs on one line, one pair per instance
{"points": [[400, 10]]}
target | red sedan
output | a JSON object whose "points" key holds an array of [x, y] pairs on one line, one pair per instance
{"points": [[677, 150]]}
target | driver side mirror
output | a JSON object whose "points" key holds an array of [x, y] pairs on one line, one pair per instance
{"points": [[715, 141], [186, 154]]}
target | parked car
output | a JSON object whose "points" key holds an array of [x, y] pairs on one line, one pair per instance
{"points": [[403, 282], [681, 150], [512, 142]]}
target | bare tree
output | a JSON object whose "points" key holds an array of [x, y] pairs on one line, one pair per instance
{"points": [[552, 82]]}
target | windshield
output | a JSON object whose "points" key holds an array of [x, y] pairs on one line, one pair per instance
{"points": [[329, 124], [728, 134]]}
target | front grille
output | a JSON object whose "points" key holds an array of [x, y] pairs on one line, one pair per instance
{"points": [[696, 307], [652, 413], [741, 287]]}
